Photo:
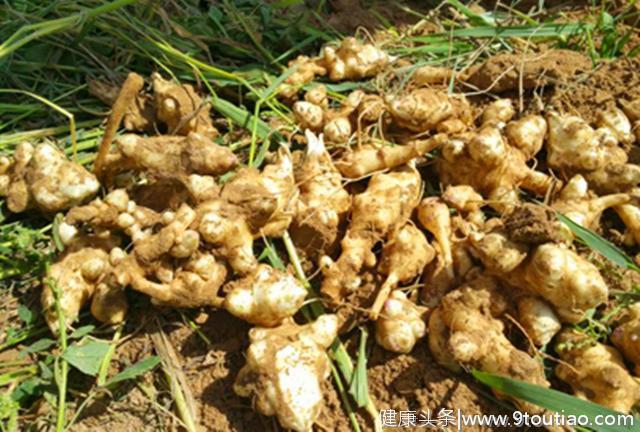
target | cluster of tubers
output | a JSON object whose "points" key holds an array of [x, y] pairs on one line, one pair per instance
{"points": [[473, 256]]}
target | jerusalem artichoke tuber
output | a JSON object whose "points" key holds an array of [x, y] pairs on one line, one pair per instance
{"points": [[401, 324]]}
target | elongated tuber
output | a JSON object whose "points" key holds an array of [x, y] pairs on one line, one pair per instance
{"points": [[384, 206], [538, 319], [626, 336], [403, 258]]}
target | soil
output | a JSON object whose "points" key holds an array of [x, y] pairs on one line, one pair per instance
{"points": [[508, 72], [532, 224]]}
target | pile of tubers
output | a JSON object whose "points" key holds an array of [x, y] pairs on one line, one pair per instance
{"points": [[456, 267]]}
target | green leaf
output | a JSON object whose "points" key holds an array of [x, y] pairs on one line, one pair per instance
{"points": [[81, 332], [599, 244], [40, 345], [554, 400], [134, 371], [26, 315], [359, 387], [86, 355]]}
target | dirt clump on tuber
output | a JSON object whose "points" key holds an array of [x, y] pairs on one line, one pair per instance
{"points": [[285, 369]]}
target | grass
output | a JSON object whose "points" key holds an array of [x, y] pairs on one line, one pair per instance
{"points": [[238, 52]]}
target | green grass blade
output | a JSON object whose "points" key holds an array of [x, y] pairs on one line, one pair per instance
{"points": [[556, 401], [599, 244], [359, 387], [134, 371]]}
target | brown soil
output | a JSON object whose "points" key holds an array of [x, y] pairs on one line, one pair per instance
{"points": [[507, 72], [532, 224]]}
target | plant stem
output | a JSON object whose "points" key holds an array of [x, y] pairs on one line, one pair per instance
{"points": [[106, 361], [61, 378]]}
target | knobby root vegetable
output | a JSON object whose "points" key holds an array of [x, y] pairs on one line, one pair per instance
{"points": [[463, 331], [105, 216], [466, 201], [385, 206], [268, 198], [368, 159], [181, 109], [223, 225], [323, 202], [139, 115], [596, 372], [494, 168], [285, 370], [353, 60], [401, 324], [568, 281], [404, 257], [266, 297], [575, 202], [538, 319], [84, 273], [575, 147], [626, 336], [498, 253], [170, 157], [498, 113], [44, 179], [174, 239], [192, 282], [527, 134], [427, 109], [427, 75]]}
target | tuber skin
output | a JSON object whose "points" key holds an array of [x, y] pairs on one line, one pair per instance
{"points": [[192, 282], [434, 216], [498, 113], [494, 168], [424, 109], [401, 324], [385, 206], [171, 157], [353, 60], [566, 280], [268, 199], [625, 337], [596, 372], [466, 201], [538, 319], [428, 75], [404, 257], [181, 109], [323, 202], [115, 212], [576, 203], [174, 239], [41, 177], [82, 274], [266, 297], [463, 331], [286, 367], [368, 159], [630, 215], [223, 225], [527, 134]]}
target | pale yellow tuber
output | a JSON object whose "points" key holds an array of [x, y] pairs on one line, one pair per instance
{"points": [[498, 113], [463, 331], [538, 319], [43, 178], [401, 324], [181, 109], [323, 203], [385, 206], [424, 109], [626, 336], [353, 60], [434, 216], [83, 273], [285, 371], [404, 257], [266, 297], [596, 372], [268, 198], [223, 225], [368, 159]]}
